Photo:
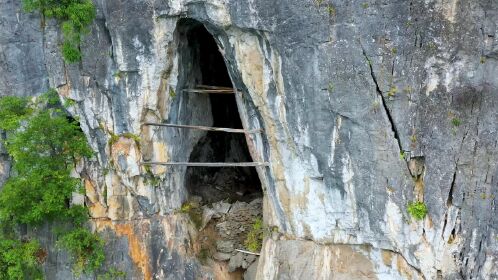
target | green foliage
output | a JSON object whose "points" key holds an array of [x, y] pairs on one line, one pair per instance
{"points": [[69, 103], [70, 52], [364, 5], [193, 210], [18, 260], [130, 135], [413, 138], [75, 15], [187, 207], [402, 155], [12, 111], [456, 122], [417, 210], [115, 138], [255, 236], [331, 10], [86, 249], [330, 87], [392, 92], [112, 274], [172, 93]]}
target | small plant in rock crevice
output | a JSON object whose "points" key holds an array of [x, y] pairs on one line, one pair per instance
{"points": [[254, 240], [417, 210], [392, 92], [194, 212], [115, 138], [331, 10], [456, 122]]}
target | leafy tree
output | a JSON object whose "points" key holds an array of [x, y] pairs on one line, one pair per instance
{"points": [[43, 155], [44, 145]]}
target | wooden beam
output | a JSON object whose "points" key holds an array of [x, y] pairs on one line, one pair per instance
{"points": [[206, 128], [208, 164]]}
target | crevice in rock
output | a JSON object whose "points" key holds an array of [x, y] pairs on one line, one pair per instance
{"points": [[418, 270], [449, 201], [107, 32], [383, 100]]}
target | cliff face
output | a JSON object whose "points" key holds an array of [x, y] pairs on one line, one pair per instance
{"points": [[365, 106]]}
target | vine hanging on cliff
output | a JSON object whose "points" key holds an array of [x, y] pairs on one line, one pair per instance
{"points": [[75, 17]]}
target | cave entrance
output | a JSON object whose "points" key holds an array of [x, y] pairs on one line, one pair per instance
{"points": [[208, 75]]}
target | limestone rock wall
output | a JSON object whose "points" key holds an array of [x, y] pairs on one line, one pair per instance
{"points": [[366, 106]]}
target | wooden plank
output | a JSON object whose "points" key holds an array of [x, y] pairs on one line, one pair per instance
{"points": [[208, 164], [206, 128]]}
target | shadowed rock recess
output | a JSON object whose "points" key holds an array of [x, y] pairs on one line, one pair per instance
{"points": [[365, 107]]}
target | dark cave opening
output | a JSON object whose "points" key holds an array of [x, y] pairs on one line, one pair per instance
{"points": [[217, 183]]}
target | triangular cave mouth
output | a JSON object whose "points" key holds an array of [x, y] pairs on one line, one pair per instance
{"points": [[207, 66]]}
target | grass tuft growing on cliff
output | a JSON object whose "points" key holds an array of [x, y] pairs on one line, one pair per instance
{"points": [[75, 17], [417, 210]]}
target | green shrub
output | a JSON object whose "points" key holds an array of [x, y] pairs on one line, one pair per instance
{"points": [[75, 15], [255, 236], [86, 249], [417, 210], [18, 260], [112, 274]]}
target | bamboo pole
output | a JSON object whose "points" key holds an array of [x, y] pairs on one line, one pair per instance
{"points": [[214, 87], [208, 164], [247, 252], [206, 128], [210, 90]]}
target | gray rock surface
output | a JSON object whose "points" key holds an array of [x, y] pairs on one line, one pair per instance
{"points": [[354, 97]]}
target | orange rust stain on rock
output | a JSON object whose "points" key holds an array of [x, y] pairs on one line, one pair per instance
{"points": [[137, 250]]}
